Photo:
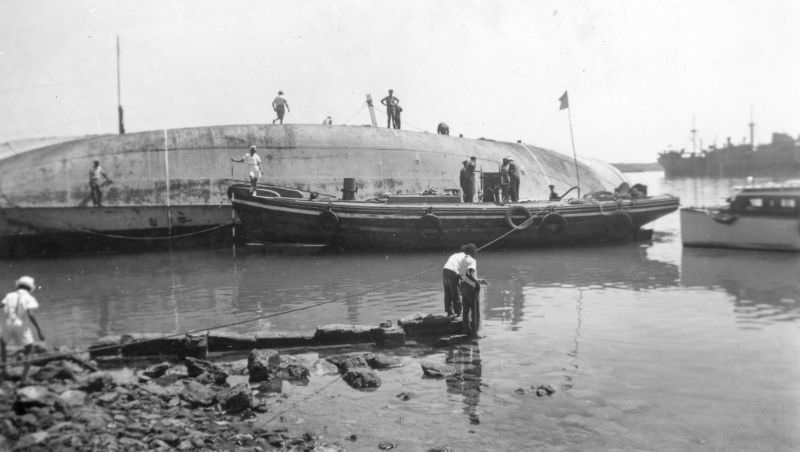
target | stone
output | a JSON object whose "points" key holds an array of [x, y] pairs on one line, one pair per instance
{"points": [[196, 394], [437, 370], [261, 364], [73, 397], [30, 440], [362, 378], [96, 381], [292, 369], [324, 367], [214, 374], [381, 361], [34, 396], [93, 417], [237, 399], [54, 370], [389, 336], [347, 361], [156, 370], [419, 325]]}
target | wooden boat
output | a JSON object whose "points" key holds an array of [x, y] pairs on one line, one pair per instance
{"points": [[440, 221], [765, 216]]}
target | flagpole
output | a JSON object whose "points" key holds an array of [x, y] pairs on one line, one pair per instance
{"points": [[564, 100], [574, 154]]}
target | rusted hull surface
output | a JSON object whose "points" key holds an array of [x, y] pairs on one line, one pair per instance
{"points": [[380, 226], [53, 230]]}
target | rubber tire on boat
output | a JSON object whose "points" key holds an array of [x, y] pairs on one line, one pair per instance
{"points": [[553, 225], [328, 221], [618, 226], [429, 226], [518, 211]]}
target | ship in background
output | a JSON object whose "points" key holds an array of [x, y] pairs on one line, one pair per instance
{"points": [[780, 157]]}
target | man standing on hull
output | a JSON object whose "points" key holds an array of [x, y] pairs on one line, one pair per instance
{"points": [[390, 102], [281, 106]]}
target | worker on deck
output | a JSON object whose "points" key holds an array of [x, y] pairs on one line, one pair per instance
{"points": [[254, 160], [553, 195], [469, 191], [94, 183], [281, 106], [505, 181], [463, 179], [390, 102], [398, 110], [16, 319], [443, 129], [513, 176]]}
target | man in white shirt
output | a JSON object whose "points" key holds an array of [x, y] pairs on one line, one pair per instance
{"points": [[254, 161], [459, 267], [16, 321]]}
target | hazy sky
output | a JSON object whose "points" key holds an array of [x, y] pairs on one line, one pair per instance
{"points": [[636, 71]]}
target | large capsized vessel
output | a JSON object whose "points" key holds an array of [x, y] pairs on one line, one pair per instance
{"points": [[171, 185]]}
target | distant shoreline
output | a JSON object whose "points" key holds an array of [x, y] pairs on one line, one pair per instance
{"points": [[638, 167]]}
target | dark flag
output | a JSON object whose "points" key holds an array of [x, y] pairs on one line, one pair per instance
{"points": [[564, 101]]}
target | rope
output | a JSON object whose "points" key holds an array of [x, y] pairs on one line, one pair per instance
{"points": [[276, 314], [363, 106]]}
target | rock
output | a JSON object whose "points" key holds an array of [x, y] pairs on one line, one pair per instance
{"points": [[54, 370], [362, 378], [197, 395], [96, 381], [292, 369], [261, 364], [430, 325], [94, 418], [436, 370], [132, 444], [349, 361], [324, 367], [156, 370], [381, 361], [197, 367], [29, 396], [30, 440], [389, 336], [404, 396], [73, 397], [108, 398], [237, 399], [543, 390]]}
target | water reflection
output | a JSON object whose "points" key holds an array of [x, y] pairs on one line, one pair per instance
{"points": [[466, 359], [763, 285]]}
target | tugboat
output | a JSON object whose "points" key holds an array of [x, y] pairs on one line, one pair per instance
{"points": [[762, 216]]}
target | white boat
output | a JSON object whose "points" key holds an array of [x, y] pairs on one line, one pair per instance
{"points": [[763, 216]]}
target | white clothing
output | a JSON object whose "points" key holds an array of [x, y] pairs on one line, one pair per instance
{"points": [[15, 324], [461, 263], [255, 164]]}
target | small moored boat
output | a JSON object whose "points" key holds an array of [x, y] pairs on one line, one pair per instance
{"points": [[764, 216], [439, 221]]}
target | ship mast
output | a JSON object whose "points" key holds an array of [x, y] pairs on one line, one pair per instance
{"points": [[119, 101], [752, 128], [694, 137]]}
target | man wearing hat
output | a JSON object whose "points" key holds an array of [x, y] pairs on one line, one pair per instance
{"points": [[15, 323], [280, 106], [462, 286]]}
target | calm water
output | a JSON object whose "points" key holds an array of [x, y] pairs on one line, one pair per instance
{"points": [[650, 346]]}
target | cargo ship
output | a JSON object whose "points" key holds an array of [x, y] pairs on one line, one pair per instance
{"points": [[780, 157], [169, 187]]}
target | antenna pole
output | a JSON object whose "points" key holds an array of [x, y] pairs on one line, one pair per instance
{"points": [[752, 130], [119, 98], [694, 136]]}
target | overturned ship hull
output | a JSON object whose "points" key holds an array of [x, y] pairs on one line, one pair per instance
{"points": [[170, 185]]}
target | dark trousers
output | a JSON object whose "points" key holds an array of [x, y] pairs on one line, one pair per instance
{"points": [[514, 189], [452, 298], [469, 299], [389, 117], [469, 192], [97, 195]]}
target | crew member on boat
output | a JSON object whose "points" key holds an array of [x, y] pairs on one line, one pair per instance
{"points": [[390, 102], [94, 183], [254, 160], [469, 190], [553, 195], [505, 182], [514, 177], [464, 179]]}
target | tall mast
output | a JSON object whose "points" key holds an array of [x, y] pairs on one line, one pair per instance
{"points": [[119, 99], [752, 129], [694, 136]]}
